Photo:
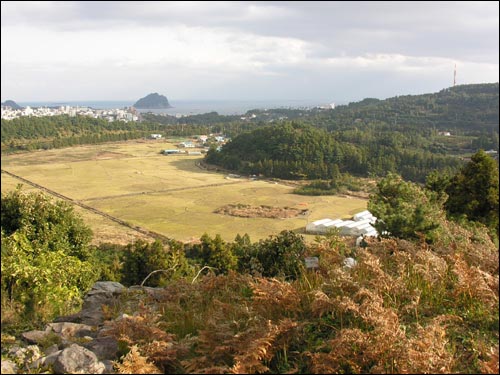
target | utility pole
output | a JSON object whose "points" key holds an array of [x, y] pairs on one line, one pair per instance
{"points": [[455, 76]]}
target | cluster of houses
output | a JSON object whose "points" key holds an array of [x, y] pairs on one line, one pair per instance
{"points": [[360, 225], [125, 114], [197, 142]]}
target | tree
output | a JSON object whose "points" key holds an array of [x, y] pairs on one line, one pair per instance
{"points": [[45, 254], [473, 191], [141, 258], [282, 255], [405, 210], [213, 253]]}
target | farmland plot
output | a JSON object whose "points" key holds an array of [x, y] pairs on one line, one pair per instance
{"points": [[170, 195]]}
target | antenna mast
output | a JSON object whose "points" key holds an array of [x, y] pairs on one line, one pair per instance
{"points": [[455, 76]]}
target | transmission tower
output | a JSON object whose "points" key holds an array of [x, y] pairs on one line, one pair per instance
{"points": [[455, 76]]}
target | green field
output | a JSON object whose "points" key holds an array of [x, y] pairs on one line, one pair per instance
{"points": [[169, 195]]}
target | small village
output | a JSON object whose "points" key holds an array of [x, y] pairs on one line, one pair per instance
{"points": [[125, 114]]}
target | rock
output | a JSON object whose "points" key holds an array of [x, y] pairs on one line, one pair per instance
{"points": [[104, 347], [46, 361], [102, 293], [34, 337], [155, 293], [78, 360], [8, 367], [51, 349], [68, 330], [111, 287], [350, 262], [109, 366], [73, 318], [26, 355]]}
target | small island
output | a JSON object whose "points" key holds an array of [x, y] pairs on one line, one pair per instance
{"points": [[153, 101], [12, 104]]}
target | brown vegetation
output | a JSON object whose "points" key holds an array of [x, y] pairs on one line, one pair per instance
{"points": [[405, 308], [245, 210]]}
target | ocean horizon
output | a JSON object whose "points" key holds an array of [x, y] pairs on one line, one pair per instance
{"points": [[187, 107]]}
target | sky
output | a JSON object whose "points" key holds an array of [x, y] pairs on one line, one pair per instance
{"points": [[338, 51]]}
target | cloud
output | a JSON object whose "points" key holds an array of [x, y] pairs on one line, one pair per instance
{"points": [[244, 48]]}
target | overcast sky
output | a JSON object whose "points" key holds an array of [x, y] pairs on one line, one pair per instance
{"points": [[327, 51]]}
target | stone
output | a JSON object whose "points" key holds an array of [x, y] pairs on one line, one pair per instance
{"points": [[46, 361], [109, 367], [350, 262], [68, 330], [73, 318], [8, 367], [34, 337], [102, 293], [78, 360], [26, 355], [104, 347], [51, 349]]}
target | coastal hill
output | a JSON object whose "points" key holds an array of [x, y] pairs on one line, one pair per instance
{"points": [[153, 101], [12, 104]]}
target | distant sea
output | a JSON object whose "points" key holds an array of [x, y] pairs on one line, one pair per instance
{"points": [[190, 107]]}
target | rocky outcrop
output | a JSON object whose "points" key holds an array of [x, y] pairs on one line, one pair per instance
{"points": [[103, 293], [77, 343]]}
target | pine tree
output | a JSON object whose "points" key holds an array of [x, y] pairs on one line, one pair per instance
{"points": [[473, 191]]}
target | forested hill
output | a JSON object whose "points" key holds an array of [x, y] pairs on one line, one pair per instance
{"points": [[462, 108], [287, 150], [299, 151]]}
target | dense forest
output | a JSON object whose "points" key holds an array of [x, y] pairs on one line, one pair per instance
{"points": [[297, 151], [459, 109]]}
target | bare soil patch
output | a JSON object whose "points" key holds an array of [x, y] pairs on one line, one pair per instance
{"points": [[102, 155], [245, 210]]}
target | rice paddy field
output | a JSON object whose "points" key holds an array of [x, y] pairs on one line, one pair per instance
{"points": [[170, 195]]}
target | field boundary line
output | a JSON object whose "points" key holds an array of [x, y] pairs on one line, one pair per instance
{"points": [[89, 208], [162, 191]]}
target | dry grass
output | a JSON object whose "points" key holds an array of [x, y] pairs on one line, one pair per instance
{"points": [[179, 198]]}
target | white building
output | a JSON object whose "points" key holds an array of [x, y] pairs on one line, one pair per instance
{"points": [[361, 225]]}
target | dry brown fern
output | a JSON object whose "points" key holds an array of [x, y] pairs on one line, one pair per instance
{"points": [[134, 363], [257, 347], [427, 352], [274, 298], [491, 366], [474, 283]]}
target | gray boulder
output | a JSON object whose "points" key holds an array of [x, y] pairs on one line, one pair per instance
{"points": [[78, 360], [46, 361], [34, 337], [103, 347]]}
